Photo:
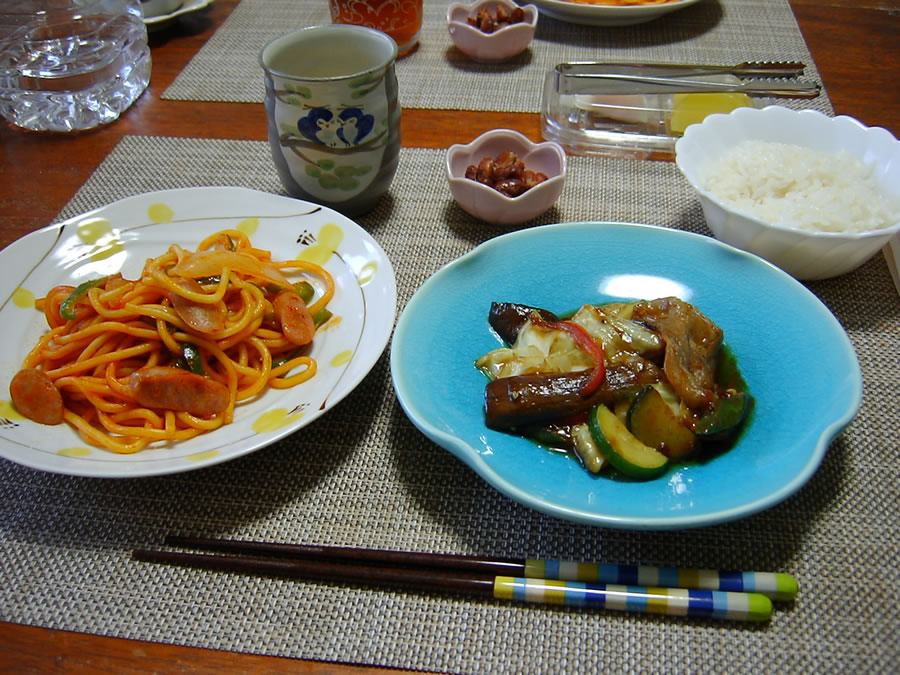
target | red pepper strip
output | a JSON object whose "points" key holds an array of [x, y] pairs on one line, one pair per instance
{"points": [[586, 343]]}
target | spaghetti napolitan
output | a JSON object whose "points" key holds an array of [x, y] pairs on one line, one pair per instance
{"points": [[168, 356], [621, 2]]}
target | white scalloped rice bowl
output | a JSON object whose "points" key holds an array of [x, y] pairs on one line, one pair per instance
{"points": [[805, 254], [485, 202], [493, 47]]}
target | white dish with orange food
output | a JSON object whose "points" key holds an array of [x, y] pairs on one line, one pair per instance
{"points": [[599, 13], [118, 239], [164, 12]]}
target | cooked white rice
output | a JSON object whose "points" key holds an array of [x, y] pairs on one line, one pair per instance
{"points": [[797, 187]]}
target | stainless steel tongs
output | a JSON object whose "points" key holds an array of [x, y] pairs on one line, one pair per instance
{"points": [[595, 78], [745, 69]]}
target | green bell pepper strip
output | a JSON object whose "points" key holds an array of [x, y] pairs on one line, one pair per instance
{"points": [[192, 358], [305, 290], [67, 308], [206, 281], [321, 316]]}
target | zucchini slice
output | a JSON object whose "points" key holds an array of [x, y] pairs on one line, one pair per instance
{"points": [[726, 418], [728, 375], [653, 423], [625, 452]]}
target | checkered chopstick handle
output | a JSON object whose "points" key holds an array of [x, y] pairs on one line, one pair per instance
{"points": [[646, 600], [775, 585]]}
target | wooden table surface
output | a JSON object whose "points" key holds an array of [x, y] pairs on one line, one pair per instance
{"points": [[854, 46]]}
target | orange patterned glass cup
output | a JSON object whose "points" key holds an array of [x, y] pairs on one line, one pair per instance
{"points": [[401, 19]]}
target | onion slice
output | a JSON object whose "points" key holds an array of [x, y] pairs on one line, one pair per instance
{"points": [[209, 263]]}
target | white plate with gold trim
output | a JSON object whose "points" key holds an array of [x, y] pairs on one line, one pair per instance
{"points": [[120, 237], [159, 20], [608, 15]]}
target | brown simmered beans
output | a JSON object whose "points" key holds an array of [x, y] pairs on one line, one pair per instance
{"points": [[506, 173], [488, 23]]}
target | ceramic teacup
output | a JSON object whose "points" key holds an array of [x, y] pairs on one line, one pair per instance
{"points": [[332, 114]]}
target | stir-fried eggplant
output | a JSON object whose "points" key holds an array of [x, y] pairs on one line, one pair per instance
{"points": [[528, 400], [507, 318]]}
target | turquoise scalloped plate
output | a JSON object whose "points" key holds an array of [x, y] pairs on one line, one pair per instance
{"points": [[798, 362]]}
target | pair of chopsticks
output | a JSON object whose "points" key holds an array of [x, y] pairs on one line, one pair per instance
{"points": [[715, 594]]}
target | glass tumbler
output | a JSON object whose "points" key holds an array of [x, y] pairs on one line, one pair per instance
{"points": [[69, 65]]}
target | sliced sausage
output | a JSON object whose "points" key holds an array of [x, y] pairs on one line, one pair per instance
{"points": [[295, 319], [35, 396], [177, 389]]}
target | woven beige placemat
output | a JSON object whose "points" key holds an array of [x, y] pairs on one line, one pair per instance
{"points": [[362, 475], [439, 76]]}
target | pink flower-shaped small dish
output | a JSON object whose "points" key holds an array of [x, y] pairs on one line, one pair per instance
{"points": [[491, 205], [505, 42]]}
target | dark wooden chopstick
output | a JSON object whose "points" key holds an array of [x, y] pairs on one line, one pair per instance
{"points": [[323, 570], [734, 606], [462, 563], [777, 586]]}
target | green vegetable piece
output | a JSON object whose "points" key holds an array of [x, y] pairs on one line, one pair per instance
{"points": [[726, 418], [67, 308], [305, 290], [653, 423], [207, 281], [284, 359], [624, 452], [552, 437], [192, 358], [321, 316], [728, 376]]}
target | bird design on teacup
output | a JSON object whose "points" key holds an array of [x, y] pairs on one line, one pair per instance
{"points": [[356, 125], [320, 125]]}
